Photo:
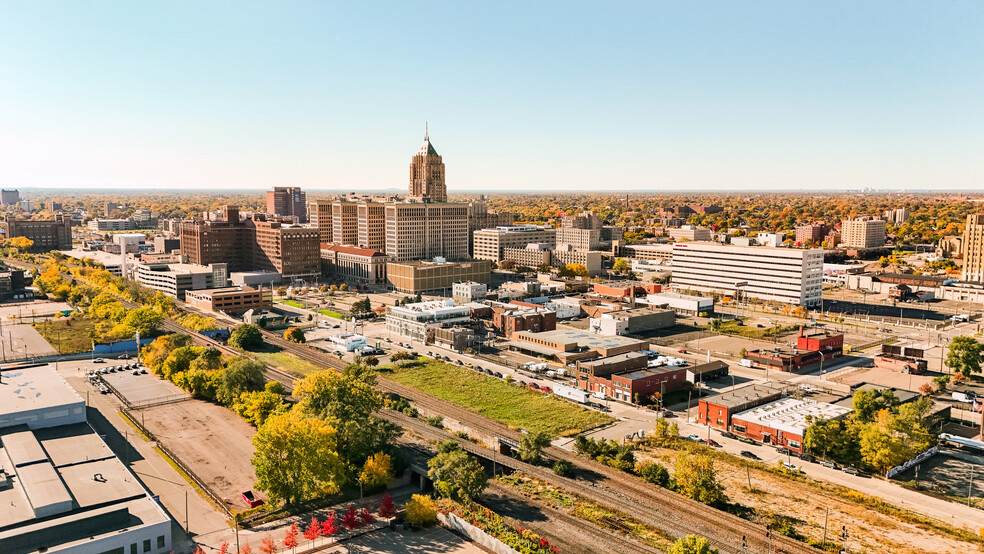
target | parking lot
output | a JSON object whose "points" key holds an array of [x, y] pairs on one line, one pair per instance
{"points": [[141, 390], [949, 472]]}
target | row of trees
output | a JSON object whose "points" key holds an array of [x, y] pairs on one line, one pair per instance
{"points": [[878, 435]]}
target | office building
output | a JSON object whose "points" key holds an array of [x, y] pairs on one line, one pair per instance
{"points": [[54, 206], [127, 224], [897, 216], [490, 244], [786, 275], [417, 231], [419, 276], [345, 222], [973, 249], [809, 234], [590, 259], [62, 489], [47, 235], [863, 233], [371, 225], [481, 217], [656, 252], [417, 321], [464, 292], [252, 244], [427, 174], [175, 279], [231, 300], [319, 215], [353, 263], [287, 202], [580, 232], [532, 256], [9, 197], [110, 207]]}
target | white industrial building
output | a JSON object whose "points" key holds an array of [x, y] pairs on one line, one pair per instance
{"points": [[62, 490], [348, 341], [787, 275]]}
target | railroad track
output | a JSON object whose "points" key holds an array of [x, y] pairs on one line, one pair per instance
{"points": [[654, 506]]}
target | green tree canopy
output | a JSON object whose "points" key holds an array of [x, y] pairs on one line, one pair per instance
{"points": [[965, 355], [531, 444], [696, 478], [240, 375], [457, 474], [296, 457], [692, 544], [246, 337]]}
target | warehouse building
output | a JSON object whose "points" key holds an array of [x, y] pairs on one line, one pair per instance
{"points": [[784, 422], [717, 411]]}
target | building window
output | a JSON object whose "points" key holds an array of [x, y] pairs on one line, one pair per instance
{"points": [[738, 428], [793, 444], [146, 545], [133, 548], [720, 421]]}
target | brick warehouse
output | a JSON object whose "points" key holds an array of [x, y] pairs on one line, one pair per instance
{"points": [[784, 422], [723, 406]]}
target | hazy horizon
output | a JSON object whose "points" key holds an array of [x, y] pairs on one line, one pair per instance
{"points": [[532, 98]]}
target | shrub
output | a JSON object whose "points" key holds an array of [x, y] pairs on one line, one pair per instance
{"points": [[436, 421], [563, 468], [652, 472], [421, 511]]}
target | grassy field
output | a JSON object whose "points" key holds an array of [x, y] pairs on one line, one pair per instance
{"points": [[330, 313], [68, 335], [293, 303], [731, 327], [493, 398], [286, 361]]}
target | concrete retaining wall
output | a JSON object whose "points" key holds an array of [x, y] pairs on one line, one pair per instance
{"points": [[455, 523]]}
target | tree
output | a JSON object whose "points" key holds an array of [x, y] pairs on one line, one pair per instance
{"points": [[692, 544], [313, 530], [294, 334], [563, 468], [347, 401], [621, 265], [257, 406], [652, 472], [329, 526], [377, 471], [894, 438], [246, 337], [370, 361], [295, 457], [240, 375], [577, 269], [290, 537], [386, 507], [531, 444], [268, 546], [281, 291], [507, 265], [421, 511], [868, 402], [696, 478], [832, 439], [965, 355], [350, 520], [365, 515], [457, 474]]}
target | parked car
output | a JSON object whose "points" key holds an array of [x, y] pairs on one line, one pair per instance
{"points": [[783, 450], [458, 362], [790, 467], [695, 438], [522, 383], [729, 435], [99, 361], [746, 440], [534, 386], [851, 470], [828, 463], [135, 372], [143, 371], [546, 389], [714, 443], [499, 375], [668, 413], [124, 357], [337, 353], [750, 455], [808, 457]]}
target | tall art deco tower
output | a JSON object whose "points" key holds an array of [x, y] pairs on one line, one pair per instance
{"points": [[427, 173]]}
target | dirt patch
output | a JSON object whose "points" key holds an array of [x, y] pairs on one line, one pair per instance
{"points": [[803, 505], [211, 440]]}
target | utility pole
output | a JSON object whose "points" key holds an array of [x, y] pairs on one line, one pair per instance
{"points": [[970, 488], [823, 545]]}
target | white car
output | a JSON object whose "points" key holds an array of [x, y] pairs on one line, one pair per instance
{"points": [[695, 438]]}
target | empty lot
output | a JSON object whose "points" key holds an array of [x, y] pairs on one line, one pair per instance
{"points": [[213, 441]]}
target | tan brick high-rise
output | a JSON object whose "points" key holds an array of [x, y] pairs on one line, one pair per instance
{"points": [[973, 249], [427, 174]]}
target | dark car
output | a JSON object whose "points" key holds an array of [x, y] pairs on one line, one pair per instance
{"points": [[808, 457], [714, 443], [729, 435], [783, 450], [499, 375], [851, 470], [750, 455], [746, 440]]}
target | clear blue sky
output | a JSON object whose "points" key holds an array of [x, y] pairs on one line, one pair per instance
{"points": [[519, 95]]}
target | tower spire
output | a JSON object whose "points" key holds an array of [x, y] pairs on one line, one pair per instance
{"points": [[426, 132]]}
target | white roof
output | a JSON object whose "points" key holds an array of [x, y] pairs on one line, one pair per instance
{"points": [[789, 414]]}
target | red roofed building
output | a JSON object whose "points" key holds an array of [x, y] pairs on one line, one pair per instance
{"points": [[350, 262]]}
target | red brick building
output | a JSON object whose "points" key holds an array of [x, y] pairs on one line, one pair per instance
{"points": [[784, 422], [718, 410], [622, 289], [534, 320], [832, 345]]}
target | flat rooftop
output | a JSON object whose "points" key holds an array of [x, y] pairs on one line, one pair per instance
{"points": [[568, 335], [33, 388], [790, 414], [743, 395], [614, 359], [648, 372]]}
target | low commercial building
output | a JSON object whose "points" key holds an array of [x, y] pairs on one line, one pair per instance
{"points": [[469, 291], [62, 489], [682, 304], [512, 319], [831, 344], [348, 342], [13, 285], [352, 263], [784, 422], [232, 300], [570, 345], [586, 370], [707, 372], [689, 232], [717, 411], [633, 321], [416, 321], [642, 385], [176, 279], [623, 289], [455, 338], [417, 276]]}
